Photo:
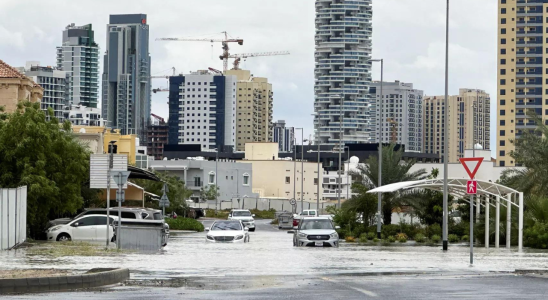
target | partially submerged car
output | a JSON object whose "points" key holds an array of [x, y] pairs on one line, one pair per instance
{"points": [[230, 231], [315, 232]]}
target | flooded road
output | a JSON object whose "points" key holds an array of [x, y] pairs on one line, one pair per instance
{"points": [[271, 252]]}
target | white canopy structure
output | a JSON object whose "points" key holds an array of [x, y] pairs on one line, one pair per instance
{"points": [[485, 191]]}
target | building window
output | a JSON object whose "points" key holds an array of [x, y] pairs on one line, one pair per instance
{"points": [[503, 112], [502, 143], [503, 61], [502, 71], [212, 177], [502, 122], [502, 102], [503, 31], [287, 179], [502, 133], [503, 11], [503, 41], [502, 153], [502, 92], [503, 82], [246, 179], [502, 164]]}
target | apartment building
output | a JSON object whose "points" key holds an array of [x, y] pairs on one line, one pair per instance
{"points": [[79, 57], [522, 80], [202, 110], [402, 114], [254, 99], [469, 123], [343, 71], [284, 136]]}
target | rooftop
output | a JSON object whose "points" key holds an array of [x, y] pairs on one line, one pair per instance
{"points": [[7, 71]]}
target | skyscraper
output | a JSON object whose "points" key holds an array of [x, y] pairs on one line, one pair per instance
{"points": [[402, 117], [126, 76], [79, 57], [343, 70], [202, 110], [469, 123], [521, 80]]}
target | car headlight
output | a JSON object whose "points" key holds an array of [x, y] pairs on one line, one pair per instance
{"points": [[302, 235], [334, 235], [239, 237], [54, 228], [209, 237]]}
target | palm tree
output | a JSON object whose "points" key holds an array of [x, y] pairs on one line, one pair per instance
{"points": [[394, 169]]}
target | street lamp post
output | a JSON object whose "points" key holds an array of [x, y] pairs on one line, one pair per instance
{"points": [[340, 147], [110, 165], [302, 166], [216, 176], [446, 136], [379, 202], [318, 187], [347, 173], [294, 165]]}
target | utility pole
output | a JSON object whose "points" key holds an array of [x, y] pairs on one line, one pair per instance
{"points": [[216, 176], [302, 169], [347, 174], [294, 165], [318, 187], [379, 201]]}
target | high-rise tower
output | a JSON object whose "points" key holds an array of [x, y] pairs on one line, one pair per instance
{"points": [[343, 71], [126, 76]]}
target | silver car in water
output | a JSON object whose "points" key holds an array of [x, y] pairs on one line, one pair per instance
{"points": [[316, 232]]}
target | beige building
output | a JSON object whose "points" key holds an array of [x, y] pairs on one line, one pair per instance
{"points": [[469, 123], [253, 110], [522, 80], [276, 178], [16, 87]]}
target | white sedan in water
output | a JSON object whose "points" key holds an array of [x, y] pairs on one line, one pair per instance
{"points": [[87, 228], [227, 232]]}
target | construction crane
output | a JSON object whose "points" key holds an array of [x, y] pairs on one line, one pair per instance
{"points": [[224, 42], [165, 76], [393, 129], [158, 118], [238, 57], [215, 70], [159, 90]]}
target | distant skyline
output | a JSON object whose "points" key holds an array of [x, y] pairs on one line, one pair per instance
{"points": [[408, 34]]}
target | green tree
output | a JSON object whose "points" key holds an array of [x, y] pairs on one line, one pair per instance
{"points": [[394, 169], [362, 203], [45, 157], [210, 192], [177, 192]]}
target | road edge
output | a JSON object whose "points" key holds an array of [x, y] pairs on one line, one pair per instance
{"points": [[93, 278]]}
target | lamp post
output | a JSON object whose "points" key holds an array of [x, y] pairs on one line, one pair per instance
{"points": [[302, 166], [379, 204], [318, 187], [446, 137], [110, 165], [294, 164], [347, 173], [340, 147], [216, 175]]}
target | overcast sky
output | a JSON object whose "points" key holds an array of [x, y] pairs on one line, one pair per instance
{"points": [[408, 34]]}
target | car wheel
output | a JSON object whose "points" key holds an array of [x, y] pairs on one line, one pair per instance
{"points": [[252, 229], [64, 237]]}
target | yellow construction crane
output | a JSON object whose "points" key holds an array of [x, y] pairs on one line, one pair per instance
{"points": [[393, 129], [225, 41], [238, 57]]}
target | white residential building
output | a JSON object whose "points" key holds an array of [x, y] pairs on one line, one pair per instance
{"points": [[203, 110], [82, 115], [402, 114]]}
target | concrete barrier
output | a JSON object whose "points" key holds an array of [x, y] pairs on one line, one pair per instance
{"points": [[93, 278]]}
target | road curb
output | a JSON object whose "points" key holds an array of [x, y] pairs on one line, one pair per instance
{"points": [[93, 278], [532, 271]]}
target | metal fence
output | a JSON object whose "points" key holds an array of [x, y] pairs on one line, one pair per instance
{"points": [[13, 217], [263, 204]]}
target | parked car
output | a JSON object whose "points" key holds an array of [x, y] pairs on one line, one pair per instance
{"points": [[230, 231], [128, 213], [85, 228], [304, 214], [243, 215], [316, 232]]}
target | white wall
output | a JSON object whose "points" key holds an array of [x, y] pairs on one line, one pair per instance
{"points": [[13, 217]]}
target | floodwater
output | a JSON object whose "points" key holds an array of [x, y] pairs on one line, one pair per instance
{"points": [[271, 252]]}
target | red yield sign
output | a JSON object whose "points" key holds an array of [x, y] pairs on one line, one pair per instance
{"points": [[471, 165], [471, 187]]}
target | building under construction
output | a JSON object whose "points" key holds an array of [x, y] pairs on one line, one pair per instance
{"points": [[157, 133]]}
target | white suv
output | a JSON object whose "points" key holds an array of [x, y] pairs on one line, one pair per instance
{"points": [[245, 216]]}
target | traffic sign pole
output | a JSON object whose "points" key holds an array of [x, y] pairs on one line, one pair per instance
{"points": [[120, 178], [471, 165]]}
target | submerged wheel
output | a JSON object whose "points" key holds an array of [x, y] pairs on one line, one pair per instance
{"points": [[64, 237]]}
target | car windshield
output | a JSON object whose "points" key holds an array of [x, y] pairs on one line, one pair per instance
{"points": [[241, 214], [226, 226], [317, 224]]}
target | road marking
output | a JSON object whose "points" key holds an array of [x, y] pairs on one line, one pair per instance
{"points": [[365, 292]]}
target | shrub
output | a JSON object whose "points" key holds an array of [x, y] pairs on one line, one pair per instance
{"points": [[350, 239], [391, 239], [435, 238], [221, 214], [401, 237], [466, 238], [420, 238], [375, 240], [537, 236], [434, 229], [453, 238], [371, 235], [275, 222], [342, 233], [363, 238], [459, 229], [410, 229], [185, 224], [391, 229]]}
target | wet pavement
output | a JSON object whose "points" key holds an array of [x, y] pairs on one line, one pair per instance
{"points": [[330, 287], [271, 253]]}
